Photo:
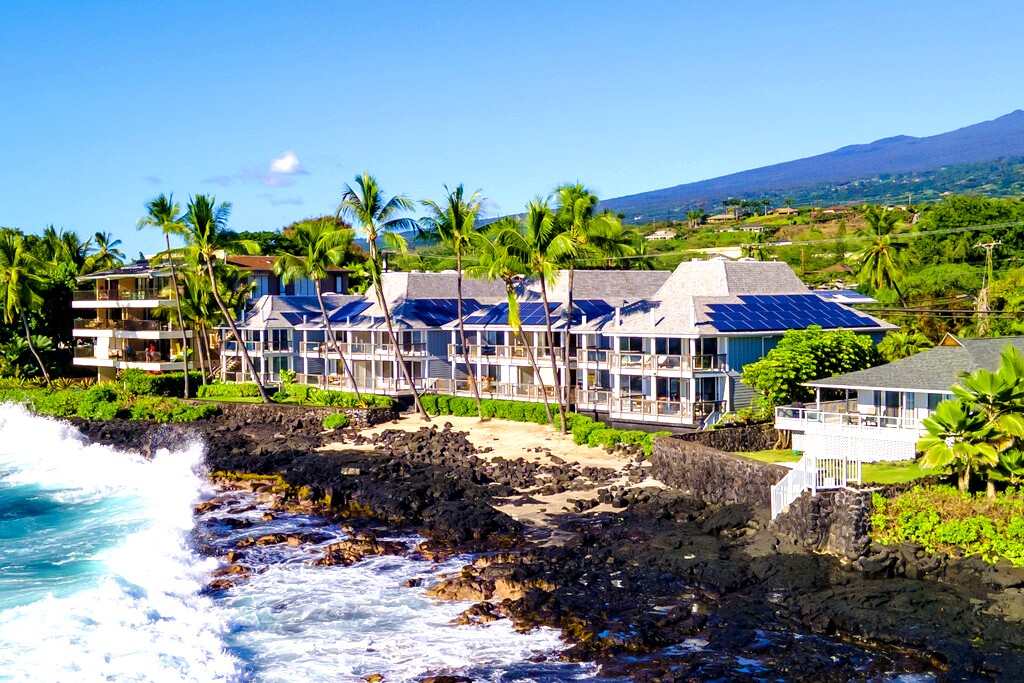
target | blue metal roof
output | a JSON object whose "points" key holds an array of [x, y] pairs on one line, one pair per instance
{"points": [[784, 312]]}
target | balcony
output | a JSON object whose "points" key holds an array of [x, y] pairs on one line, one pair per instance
{"points": [[363, 350], [256, 348], [122, 356], [489, 353], [148, 294], [124, 325], [668, 411], [836, 430], [827, 418], [668, 364]]}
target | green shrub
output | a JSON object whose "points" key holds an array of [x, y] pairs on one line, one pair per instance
{"points": [[944, 519], [99, 402], [608, 438], [141, 383], [336, 421], [582, 428], [229, 390], [343, 399], [56, 403], [165, 409]]}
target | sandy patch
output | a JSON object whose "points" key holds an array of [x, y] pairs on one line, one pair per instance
{"points": [[532, 442]]}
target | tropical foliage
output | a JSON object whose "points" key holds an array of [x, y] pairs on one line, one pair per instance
{"points": [[981, 430], [805, 355]]}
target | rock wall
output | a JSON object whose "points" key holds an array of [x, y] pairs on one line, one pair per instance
{"points": [[359, 418], [837, 521], [739, 439], [713, 475]]}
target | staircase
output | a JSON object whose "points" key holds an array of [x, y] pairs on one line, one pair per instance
{"points": [[817, 474]]}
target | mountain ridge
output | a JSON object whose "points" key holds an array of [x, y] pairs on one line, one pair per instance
{"points": [[999, 138]]}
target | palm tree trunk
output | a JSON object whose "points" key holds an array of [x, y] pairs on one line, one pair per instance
{"points": [[566, 390], [334, 343], [234, 332], [462, 334], [965, 478], [32, 348], [199, 354], [204, 349], [378, 288], [536, 373], [990, 489], [551, 351], [181, 318], [510, 292]]}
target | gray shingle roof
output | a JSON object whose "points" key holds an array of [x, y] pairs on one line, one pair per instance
{"points": [[934, 370], [400, 286]]}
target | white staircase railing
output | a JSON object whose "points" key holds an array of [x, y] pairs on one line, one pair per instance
{"points": [[816, 474]]}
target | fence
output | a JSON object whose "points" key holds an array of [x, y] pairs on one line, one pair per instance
{"points": [[816, 474]]}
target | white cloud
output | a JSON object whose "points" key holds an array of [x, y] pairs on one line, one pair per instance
{"points": [[286, 164]]}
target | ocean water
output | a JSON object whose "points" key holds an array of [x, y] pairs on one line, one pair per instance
{"points": [[100, 580]]}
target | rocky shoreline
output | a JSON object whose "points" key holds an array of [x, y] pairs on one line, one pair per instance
{"points": [[666, 587]]}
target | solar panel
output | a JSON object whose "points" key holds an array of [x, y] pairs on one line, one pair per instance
{"points": [[782, 312]]}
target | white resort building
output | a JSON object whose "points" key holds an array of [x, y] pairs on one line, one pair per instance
{"points": [[646, 347]]}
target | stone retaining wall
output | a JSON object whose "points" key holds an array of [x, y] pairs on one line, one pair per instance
{"points": [[360, 418], [713, 475], [738, 439], [836, 521]]}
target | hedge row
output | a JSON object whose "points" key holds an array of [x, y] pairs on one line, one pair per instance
{"points": [[229, 390], [330, 398], [584, 429], [336, 421], [171, 384], [106, 402]]}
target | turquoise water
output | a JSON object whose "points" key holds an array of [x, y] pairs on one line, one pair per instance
{"points": [[100, 580]]}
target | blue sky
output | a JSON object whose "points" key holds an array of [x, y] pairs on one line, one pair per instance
{"points": [[274, 106]]}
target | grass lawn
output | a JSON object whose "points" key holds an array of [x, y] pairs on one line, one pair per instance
{"points": [[872, 472], [892, 472], [772, 456], [230, 399]]}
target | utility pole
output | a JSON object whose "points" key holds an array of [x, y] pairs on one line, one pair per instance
{"points": [[982, 304]]}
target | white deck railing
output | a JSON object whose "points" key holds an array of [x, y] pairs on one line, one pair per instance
{"points": [[794, 418], [816, 474]]}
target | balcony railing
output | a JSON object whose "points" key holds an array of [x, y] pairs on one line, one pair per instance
{"points": [[231, 347], [123, 325], [492, 352], [655, 362], [600, 356], [85, 351], [667, 409], [318, 349], [798, 418], [118, 295]]}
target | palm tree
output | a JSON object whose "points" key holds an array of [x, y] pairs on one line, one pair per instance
{"points": [[611, 244], [542, 248], [164, 214], [64, 246], [961, 438], [574, 212], [20, 280], [453, 224], [319, 247], [756, 249], [106, 256], [365, 205], [196, 308], [204, 228], [497, 262], [903, 344], [883, 262]]}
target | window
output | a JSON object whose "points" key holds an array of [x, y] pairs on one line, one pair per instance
{"points": [[933, 402], [668, 347], [631, 344]]}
